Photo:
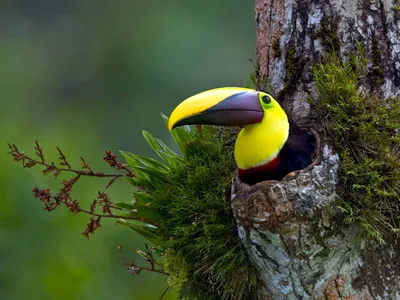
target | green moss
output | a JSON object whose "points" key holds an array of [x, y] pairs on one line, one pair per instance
{"points": [[175, 265], [258, 82], [292, 69], [364, 131], [276, 47], [197, 222], [328, 34], [377, 68], [358, 62], [189, 199], [325, 252]]}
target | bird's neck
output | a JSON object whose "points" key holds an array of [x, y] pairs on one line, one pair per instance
{"points": [[259, 144]]}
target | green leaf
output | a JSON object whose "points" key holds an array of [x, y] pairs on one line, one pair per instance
{"points": [[142, 178], [152, 163], [147, 165], [142, 198], [142, 254], [182, 135], [149, 171], [145, 230], [141, 184], [126, 206], [172, 159], [131, 180], [145, 212], [132, 161]]}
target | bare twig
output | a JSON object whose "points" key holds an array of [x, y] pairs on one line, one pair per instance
{"points": [[52, 168], [85, 165], [63, 197], [135, 269], [111, 159], [62, 158], [38, 151], [165, 292]]}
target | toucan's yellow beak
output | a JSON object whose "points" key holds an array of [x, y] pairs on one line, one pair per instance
{"points": [[231, 106]]}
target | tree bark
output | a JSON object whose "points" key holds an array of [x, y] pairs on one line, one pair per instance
{"points": [[287, 226], [292, 35]]}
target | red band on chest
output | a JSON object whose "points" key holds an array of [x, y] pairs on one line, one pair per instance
{"points": [[268, 167]]}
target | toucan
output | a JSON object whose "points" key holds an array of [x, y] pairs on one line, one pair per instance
{"points": [[269, 145]]}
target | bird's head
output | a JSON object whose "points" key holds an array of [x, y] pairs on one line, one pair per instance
{"points": [[231, 106], [265, 125]]}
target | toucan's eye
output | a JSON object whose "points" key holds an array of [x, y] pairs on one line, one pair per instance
{"points": [[266, 99]]}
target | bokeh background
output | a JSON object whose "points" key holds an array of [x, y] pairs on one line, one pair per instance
{"points": [[88, 76]]}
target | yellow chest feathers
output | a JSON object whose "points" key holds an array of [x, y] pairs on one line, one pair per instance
{"points": [[258, 144]]}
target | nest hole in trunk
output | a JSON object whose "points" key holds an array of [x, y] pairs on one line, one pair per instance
{"points": [[266, 204]]}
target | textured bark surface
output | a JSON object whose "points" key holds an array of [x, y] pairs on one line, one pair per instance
{"points": [[292, 35], [288, 227], [290, 234]]}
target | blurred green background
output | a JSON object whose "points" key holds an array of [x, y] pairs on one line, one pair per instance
{"points": [[88, 76]]}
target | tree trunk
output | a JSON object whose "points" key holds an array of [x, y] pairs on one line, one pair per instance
{"points": [[292, 35], [285, 226]]}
